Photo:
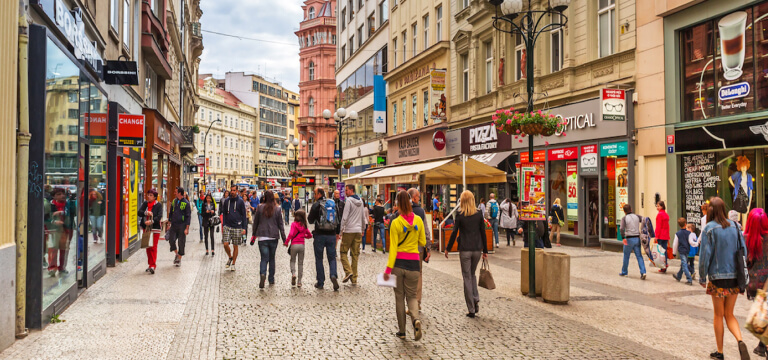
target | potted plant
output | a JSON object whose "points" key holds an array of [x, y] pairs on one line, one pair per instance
{"points": [[196, 129], [336, 164], [521, 124], [296, 174], [347, 164]]}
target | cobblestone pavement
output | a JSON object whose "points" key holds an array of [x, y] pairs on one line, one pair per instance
{"points": [[201, 311]]}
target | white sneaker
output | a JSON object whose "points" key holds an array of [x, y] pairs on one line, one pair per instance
{"points": [[232, 268]]}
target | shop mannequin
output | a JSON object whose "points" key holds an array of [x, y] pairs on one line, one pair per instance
{"points": [[742, 187]]}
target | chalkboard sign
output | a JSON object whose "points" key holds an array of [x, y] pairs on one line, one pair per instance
{"points": [[700, 182]]}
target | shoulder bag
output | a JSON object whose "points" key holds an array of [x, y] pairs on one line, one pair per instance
{"points": [[486, 279]]}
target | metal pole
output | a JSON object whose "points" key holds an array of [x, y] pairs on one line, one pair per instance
{"points": [[531, 224], [464, 171], [340, 149]]}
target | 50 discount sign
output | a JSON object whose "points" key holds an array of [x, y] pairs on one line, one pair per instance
{"points": [[130, 130]]}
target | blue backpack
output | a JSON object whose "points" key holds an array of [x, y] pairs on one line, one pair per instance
{"points": [[494, 210], [329, 219]]}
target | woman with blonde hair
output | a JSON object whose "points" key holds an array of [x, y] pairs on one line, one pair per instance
{"points": [[473, 243], [556, 219]]}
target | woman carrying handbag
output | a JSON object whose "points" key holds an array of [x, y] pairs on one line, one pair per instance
{"points": [[151, 215]]}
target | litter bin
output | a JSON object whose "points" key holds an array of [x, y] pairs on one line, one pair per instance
{"points": [[557, 284], [524, 270]]}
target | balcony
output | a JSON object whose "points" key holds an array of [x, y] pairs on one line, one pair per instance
{"points": [[155, 42], [196, 41], [329, 21], [187, 144]]}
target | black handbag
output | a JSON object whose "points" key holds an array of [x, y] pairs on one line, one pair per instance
{"points": [[742, 269]]}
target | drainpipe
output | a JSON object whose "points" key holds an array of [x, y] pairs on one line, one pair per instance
{"points": [[22, 170]]}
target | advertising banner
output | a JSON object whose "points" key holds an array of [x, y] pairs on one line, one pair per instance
{"points": [[130, 130], [538, 156], [340, 187], [133, 201], [563, 154], [613, 105], [613, 149], [379, 105], [533, 203], [201, 166], [96, 128], [437, 94], [573, 201], [588, 160], [622, 187], [484, 138]]}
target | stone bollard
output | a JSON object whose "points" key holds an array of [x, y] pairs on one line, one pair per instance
{"points": [[524, 270], [557, 287]]}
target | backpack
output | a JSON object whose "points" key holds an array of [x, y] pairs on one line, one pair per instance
{"points": [[329, 219], [494, 210]]}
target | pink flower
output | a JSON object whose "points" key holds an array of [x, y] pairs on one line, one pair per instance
{"points": [[521, 140], [498, 111], [516, 137], [506, 112], [552, 115], [563, 134], [546, 143], [509, 122], [517, 131], [539, 112], [494, 118]]}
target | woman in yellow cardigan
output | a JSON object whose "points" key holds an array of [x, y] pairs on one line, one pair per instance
{"points": [[406, 234]]}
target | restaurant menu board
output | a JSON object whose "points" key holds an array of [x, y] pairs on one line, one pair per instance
{"points": [[533, 202], [573, 202], [700, 180]]}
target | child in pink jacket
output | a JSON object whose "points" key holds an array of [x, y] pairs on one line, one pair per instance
{"points": [[295, 239]]}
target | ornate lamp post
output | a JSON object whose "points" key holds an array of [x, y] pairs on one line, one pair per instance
{"points": [[521, 19], [339, 117]]}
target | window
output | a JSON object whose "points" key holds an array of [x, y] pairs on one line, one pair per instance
{"points": [[351, 8], [394, 118], [556, 41], [343, 53], [360, 4], [520, 58], [311, 107], [464, 77], [488, 67], [311, 71], [311, 13], [394, 49], [414, 32], [425, 106], [404, 116], [414, 105], [158, 9], [60, 130], [72, 129], [464, 4], [383, 12], [291, 125], [360, 37], [311, 147], [127, 24], [114, 15], [342, 18], [405, 41], [72, 146], [426, 32], [439, 23], [371, 25], [334, 39], [605, 26], [73, 113], [351, 45]]}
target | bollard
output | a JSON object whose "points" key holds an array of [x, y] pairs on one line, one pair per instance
{"points": [[557, 287], [524, 270]]}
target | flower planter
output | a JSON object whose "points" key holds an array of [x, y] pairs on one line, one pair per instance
{"points": [[347, 166], [447, 237]]}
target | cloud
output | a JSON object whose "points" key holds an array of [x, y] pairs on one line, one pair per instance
{"points": [[271, 20]]}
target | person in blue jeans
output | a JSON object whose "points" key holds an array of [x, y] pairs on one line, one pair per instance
{"points": [[286, 205], [199, 206], [630, 231], [268, 228], [684, 241], [379, 227], [323, 240], [492, 208]]}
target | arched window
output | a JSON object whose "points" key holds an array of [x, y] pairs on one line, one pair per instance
{"points": [[311, 147], [311, 13], [311, 71], [311, 107]]}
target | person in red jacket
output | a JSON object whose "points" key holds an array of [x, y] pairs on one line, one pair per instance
{"points": [[662, 229]]}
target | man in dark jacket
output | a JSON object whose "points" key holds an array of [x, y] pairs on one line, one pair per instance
{"points": [[285, 205], [340, 205], [180, 216], [378, 225], [235, 225], [324, 240]]}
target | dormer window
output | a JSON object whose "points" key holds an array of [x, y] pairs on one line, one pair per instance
{"points": [[311, 13]]}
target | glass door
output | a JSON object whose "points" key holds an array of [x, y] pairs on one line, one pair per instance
{"points": [[591, 210]]}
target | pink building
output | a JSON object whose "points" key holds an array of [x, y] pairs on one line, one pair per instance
{"points": [[317, 88]]}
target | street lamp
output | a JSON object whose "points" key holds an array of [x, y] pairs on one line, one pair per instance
{"points": [[339, 116], [266, 160], [205, 151], [529, 30], [293, 166]]}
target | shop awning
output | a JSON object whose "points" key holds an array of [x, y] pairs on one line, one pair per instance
{"points": [[356, 179], [445, 171], [492, 159]]}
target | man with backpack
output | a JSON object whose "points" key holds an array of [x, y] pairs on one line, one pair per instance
{"points": [[325, 216], [493, 217], [180, 216]]}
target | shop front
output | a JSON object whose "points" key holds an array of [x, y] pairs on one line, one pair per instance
{"points": [[423, 144], [588, 169], [365, 157], [162, 162], [487, 145]]}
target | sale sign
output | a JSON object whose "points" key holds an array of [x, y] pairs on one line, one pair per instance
{"points": [[533, 206], [130, 130], [96, 128], [573, 201]]}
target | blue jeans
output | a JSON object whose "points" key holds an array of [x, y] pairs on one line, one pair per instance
{"points": [[327, 243], [684, 268], [379, 230], [268, 248], [633, 245], [286, 214], [365, 231], [97, 225], [495, 226], [200, 223]]}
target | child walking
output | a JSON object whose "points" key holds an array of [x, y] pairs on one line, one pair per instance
{"points": [[295, 240], [694, 250], [684, 240]]}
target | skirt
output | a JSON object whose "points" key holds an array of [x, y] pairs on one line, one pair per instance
{"points": [[729, 287], [741, 203]]}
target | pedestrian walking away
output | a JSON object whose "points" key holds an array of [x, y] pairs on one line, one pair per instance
{"points": [[208, 209], [221, 207], [681, 246], [151, 216], [325, 216], [630, 232], [407, 233], [424, 253], [379, 227], [199, 199], [473, 245], [235, 222], [492, 207], [509, 219], [180, 216], [295, 243], [662, 230], [556, 221], [286, 205], [353, 223], [268, 226], [720, 244]]}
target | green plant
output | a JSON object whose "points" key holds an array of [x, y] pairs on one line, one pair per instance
{"points": [[347, 164], [55, 319], [521, 124], [336, 164], [196, 129]]}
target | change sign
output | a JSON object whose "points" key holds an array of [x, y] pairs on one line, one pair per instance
{"points": [[130, 130]]}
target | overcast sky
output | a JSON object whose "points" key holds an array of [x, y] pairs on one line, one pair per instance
{"points": [[271, 20]]}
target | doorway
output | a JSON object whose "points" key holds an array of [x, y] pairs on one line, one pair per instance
{"points": [[591, 211]]}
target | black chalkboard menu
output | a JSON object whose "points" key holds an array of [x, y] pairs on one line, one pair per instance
{"points": [[699, 183]]}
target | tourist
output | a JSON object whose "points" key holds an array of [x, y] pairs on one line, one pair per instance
{"points": [[662, 230], [235, 226], [379, 227], [267, 226], [424, 253], [295, 240], [556, 216], [324, 215], [208, 208], [151, 216], [353, 223], [756, 239], [509, 219], [493, 217], [180, 217], [681, 246]]}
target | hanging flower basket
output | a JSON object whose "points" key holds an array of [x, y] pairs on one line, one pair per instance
{"points": [[347, 164], [336, 164], [296, 174], [521, 124]]}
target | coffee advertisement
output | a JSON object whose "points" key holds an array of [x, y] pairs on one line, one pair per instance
{"points": [[736, 73]]}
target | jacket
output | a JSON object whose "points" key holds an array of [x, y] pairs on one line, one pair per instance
{"points": [[542, 232], [286, 204], [684, 241], [157, 214], [718, 248], [404, 249], [268, 227], [471, 233], [355, 216], [508, 221], [481, 209], [340, 205], [662, 225], [556, 214], [314, 216], [254, 201], [296, 204], [736, 178], [297, 234], [204, 212], [181, 212], [378, 214], [418, 210], [234, 214]]}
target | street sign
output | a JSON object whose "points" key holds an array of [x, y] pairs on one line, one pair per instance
{"points": [[670, 139], [670, 149], [121, 73], [336, 154], [130, 130]]}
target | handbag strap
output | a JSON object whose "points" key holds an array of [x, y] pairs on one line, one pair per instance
{"points": [[558, 217], [485, 265]]}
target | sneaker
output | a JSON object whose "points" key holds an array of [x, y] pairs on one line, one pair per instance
{"points": [[232, 268], [318, 286], [213, 253], [759, 351], [335, 283], [298, 284], [152, 271], [346, 278], [716, 355], [471, 315], [206, 253], [662, 270], [743, 351], [689, 283], [642, 277], [677, 277], [293, 280], [229, 263], [178, 263], [253, 240], [261, 282], [52, 273], [417, 330], [620, 274], [147, 270]]}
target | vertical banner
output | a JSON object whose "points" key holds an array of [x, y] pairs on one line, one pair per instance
{"points": [[437, 95], [533, 205], [200, 161], [379, 105], [622, 187], [340, 187], [610, 164], [126, 203], [130, 130], [133, 201], [573, 201]]}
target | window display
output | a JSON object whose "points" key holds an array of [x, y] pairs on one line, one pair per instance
{"points": [[97, 180], [562, 185], [615, 187]]}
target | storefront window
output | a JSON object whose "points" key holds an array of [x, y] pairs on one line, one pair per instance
{"points": [[61, 177], [562, 185], [97, 184], [615, 187]]}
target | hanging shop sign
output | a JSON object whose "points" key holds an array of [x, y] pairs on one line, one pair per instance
{"points": [[437, 95], [563, 154], [613, 149], [533, 206], [200, 161], [588, 163], [614, 105], [438, 140], [121, 73], [96, 127], [538, 156], [484, 138], [130, 130], [571, 181], [379, 105], [726, 136], [73, 28]]}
